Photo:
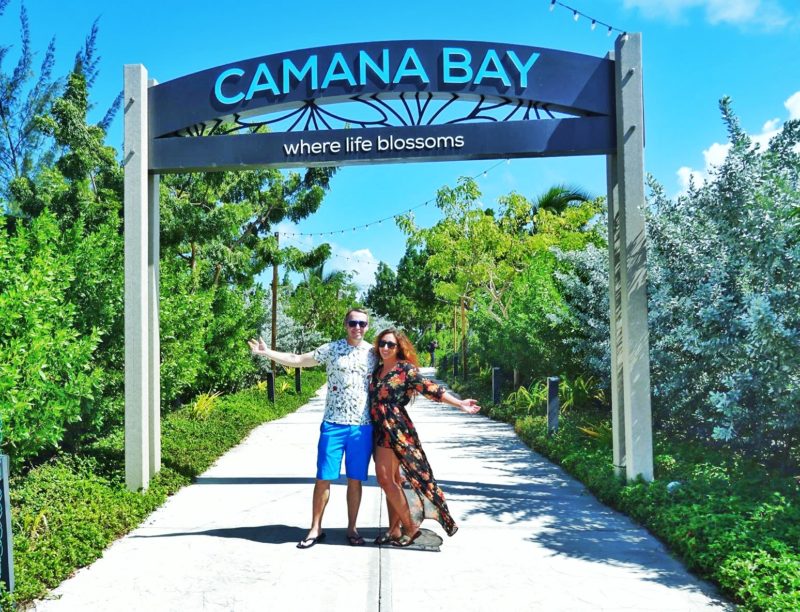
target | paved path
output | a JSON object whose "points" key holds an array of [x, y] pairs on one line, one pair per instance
{"points": [[531, 538]]}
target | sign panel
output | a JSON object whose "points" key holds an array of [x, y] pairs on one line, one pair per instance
{"points": [[509, 96]]}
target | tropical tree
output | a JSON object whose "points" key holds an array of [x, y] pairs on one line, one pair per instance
{"points": [[26, 96], [320, 301], [406, 297], [476, 256]]}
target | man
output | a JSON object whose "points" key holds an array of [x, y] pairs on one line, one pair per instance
{"points": [[432, 346], [346, 430]]}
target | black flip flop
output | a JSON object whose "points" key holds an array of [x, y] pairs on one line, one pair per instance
{"points": [[309, 542], [355, 540]]}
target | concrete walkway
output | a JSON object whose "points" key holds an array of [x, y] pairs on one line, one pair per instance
{"points": [[530, 538]]}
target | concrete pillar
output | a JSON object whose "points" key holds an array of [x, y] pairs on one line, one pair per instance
{"points": [[635, 345], [137, 374], [615, 314], [154, 339]]}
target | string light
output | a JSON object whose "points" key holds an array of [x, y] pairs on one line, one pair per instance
{"points": [[576, 14], [373, 261], [394, 217]]}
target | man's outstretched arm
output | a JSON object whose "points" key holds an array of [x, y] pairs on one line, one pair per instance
{"points": [[291, 360]]}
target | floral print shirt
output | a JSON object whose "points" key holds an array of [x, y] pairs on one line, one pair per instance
{"points": [[348, 368], [398, 387]]}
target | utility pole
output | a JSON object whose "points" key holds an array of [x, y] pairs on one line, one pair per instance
{"points": [[463, 339], [274, 338]]}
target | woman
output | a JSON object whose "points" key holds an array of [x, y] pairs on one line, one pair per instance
{"points": [[394, 383]]}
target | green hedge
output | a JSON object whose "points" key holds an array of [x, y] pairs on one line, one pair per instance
{"points": [[729, 520], [68, 510]]}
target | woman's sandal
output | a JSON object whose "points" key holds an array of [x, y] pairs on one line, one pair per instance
{"points": [[405, 540], [386, 538]]}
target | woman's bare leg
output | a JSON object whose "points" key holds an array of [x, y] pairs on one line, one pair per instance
{"points": [[386, 469]]}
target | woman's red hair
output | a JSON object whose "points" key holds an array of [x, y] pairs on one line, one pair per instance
{"points": [[405, 350]]}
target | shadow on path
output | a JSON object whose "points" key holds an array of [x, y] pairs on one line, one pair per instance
{"points": [[284, 534], [528, 491]]}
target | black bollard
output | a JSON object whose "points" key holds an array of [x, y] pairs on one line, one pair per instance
{"points": [[271, 386], [552, 405], [6, 549], [297, 384], [496, 382]]}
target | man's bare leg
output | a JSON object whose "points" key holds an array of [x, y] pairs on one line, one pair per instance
{"points": [[353, 504], [322, 493]]}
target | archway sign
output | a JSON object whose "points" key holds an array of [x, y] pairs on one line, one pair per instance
{"points": [[385, 102]]}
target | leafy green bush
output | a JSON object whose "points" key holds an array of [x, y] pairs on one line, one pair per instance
{"points": [[185, 315], [45, 364], [227, 363]]}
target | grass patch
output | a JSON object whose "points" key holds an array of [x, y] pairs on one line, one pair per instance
{"points": [[730, 520], [67, 511]]}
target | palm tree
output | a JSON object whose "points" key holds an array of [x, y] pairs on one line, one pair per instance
{"points": [[559, 197]]}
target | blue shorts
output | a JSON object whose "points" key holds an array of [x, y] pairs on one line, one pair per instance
{"points": [[354, 442]]}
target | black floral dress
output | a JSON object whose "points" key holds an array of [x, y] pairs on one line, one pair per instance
{"points": [[393, 429]]}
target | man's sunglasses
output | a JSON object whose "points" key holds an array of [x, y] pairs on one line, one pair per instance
{"points": [[387, 344], [361, 324]]}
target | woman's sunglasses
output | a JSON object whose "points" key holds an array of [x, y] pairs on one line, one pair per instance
{"points": [[387, 344], [361, 324]]}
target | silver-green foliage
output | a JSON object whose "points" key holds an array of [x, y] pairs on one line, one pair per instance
{"points": [[584, 285], [291, 336], [724, 264]]}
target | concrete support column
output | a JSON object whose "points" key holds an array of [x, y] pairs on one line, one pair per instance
{"points": [[615, 314], [153, 335], [635, 344], [137, 371]]}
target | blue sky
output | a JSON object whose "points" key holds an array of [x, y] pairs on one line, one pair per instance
{"points": [[694, 51]]}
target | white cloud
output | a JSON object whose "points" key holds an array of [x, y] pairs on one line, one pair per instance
{"points": [[671, 9], [362, 264], [687, 176], [793, 105], [715, 155], [731, 11], [760, 13]]}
